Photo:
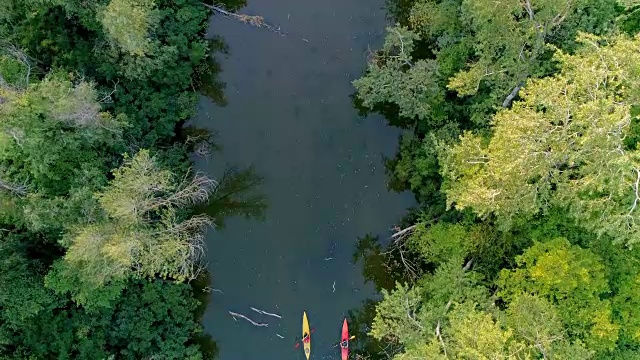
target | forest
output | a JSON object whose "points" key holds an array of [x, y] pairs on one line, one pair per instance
{"points": [[101, 248], [522, 151], [521, 146]]}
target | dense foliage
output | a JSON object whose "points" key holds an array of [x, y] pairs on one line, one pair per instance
{"points": [[524, 162], [96, 232]]}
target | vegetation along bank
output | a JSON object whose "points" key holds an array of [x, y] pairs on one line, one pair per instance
{"points": [[523, 156]]}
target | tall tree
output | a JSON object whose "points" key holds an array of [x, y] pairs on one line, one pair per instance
{"points": [[141, 231], [563, 145], [128, 23]]}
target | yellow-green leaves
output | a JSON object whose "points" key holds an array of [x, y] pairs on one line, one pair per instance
{"points": [[571, 278], [128, 23], [142, 181], [58, 98], [562, 145], [510, 36], [141, 233], [475, 334]]}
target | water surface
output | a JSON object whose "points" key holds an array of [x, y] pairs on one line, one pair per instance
{"points": [[289, 114]]}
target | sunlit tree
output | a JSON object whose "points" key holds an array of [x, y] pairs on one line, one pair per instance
{"points": [[563, 145], [142, 232], [128, 23]]}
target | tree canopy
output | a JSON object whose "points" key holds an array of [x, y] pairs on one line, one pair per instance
{"points": [[523, 158], [98, 236]]}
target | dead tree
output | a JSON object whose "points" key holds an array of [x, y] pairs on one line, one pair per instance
{"points": [[18, 189], [253, 20]]}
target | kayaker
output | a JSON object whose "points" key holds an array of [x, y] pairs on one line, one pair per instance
{"points": [[305, 338], [344, 344]]}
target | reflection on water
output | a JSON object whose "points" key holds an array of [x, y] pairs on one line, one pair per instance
{"points": [[206, 80], [365, 347], [378, 266], [237, 194], [384, 267], [202, 293]]}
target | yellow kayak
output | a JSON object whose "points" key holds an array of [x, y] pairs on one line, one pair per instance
{"points": [[306, 335]]}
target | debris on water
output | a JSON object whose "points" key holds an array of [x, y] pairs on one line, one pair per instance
{"points": [[265, 313], [280, 336], [235, 314], [327, 259], [334, 286]]}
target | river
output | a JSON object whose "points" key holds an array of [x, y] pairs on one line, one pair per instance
{"points": [[289, 114]]}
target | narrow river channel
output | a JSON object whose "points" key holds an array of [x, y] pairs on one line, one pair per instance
{"points": [[290, 116]]}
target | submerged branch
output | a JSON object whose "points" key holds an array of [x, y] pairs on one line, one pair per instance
{"points": [[257, 21], [265, 313], [246, 318]]}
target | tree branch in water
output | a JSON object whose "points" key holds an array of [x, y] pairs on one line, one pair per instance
{"points": [[257, 21], [265, 313], [246, 318]]}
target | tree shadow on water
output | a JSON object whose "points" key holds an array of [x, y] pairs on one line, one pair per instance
{"points": [[383, 267], [238, 189], [202, 293], [206, 80], [237, 194]]}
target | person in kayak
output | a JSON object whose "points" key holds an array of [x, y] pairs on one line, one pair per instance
{"points": [[344, 344], [297, 345], [305, 338]]}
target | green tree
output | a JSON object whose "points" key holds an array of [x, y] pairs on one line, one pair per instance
{"points": [[141, 232], [562, 145], [571, 278], [50, 188], [473, 47], [128, 23], [75, 93]]}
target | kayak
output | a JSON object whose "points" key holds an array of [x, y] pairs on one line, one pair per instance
{"points": [[345, 337], [305, 330]]}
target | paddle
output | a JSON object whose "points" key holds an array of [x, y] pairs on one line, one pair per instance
{"points": [[351, 338], [297, 345]]}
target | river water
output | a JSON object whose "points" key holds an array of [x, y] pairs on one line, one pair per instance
{"points": [[290, 116]]}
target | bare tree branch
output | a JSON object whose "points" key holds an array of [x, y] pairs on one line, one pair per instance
{"points": [[444, 348], [18, 189], [234, 314], [401, 234], [528, 8], [257, 21], [509, 99], [636, 191], [265, 313], [20, 56]]}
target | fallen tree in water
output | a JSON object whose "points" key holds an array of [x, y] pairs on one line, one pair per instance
{"points": [[253, 20]]}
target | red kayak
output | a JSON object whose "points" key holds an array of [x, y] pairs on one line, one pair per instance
{"points": [[344, 343]]}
